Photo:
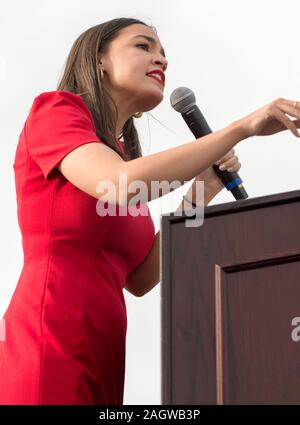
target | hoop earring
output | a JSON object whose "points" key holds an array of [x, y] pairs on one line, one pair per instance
{"points": [[137, 114]]}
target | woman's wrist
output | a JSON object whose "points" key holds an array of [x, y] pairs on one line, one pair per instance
{"points": [[190, 201], [240, 128], [212, 183], [211, 189]]}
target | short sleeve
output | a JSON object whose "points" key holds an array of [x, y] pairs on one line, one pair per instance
{"points": [[58, 122]]}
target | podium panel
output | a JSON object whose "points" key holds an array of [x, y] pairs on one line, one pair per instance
{"points": [[230, 291]]}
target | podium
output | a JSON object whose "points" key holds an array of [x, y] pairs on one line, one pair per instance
{"points": [[230, 299]]}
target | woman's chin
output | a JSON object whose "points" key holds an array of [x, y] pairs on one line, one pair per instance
{"points": [[151, 99]]}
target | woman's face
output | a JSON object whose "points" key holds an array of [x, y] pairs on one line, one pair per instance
{"points": [[126, 65]]}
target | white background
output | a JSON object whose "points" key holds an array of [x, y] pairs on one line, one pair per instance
{"points": [[235, 55]]}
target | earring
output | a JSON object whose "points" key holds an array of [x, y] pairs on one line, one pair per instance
{"points": [[137, 114], [101, 72]]}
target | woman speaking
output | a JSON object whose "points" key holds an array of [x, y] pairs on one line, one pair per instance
{"points": [[66, 321]]}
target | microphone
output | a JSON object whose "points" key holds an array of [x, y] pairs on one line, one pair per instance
{"points": [[183, 100]]}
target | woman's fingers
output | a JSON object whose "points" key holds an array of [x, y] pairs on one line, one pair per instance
{"points": [[297, 123], [286, 121], [226, 157], [272, 118], [235, 168], [229, 163], [291, 107]]}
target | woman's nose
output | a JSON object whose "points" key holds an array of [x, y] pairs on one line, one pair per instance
{"points": [[163, 61]]}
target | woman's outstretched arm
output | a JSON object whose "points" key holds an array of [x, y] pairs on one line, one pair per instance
{"points": [[91, 164]]}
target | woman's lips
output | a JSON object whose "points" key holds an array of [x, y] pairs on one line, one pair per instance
{"points": [[157, 79]]}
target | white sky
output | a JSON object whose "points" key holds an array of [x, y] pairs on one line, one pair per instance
{"points": [[235, 55]]}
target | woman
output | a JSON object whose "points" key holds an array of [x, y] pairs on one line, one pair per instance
{"points": [[66, 322]]}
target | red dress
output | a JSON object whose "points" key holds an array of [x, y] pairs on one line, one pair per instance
{"points": [[66, 321]]}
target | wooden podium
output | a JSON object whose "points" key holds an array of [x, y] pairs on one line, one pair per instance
{"points": [[230, 291]]}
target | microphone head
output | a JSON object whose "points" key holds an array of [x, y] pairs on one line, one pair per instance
{"points": [[182, 99]]}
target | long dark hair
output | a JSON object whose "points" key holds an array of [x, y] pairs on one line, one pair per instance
{"points": [[81, 76]]}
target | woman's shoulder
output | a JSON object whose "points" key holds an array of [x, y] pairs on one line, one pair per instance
{"points": [[57, 94], [59, 101]]}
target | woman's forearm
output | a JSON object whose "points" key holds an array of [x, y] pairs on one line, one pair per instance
{"points": [[181, 163]]}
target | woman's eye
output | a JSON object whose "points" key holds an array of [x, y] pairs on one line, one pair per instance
{"points": [[147, 45]]}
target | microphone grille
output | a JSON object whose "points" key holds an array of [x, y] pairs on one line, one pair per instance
{"points": [[182, 99]]}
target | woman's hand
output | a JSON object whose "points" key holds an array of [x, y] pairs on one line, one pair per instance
{"points": [[272, 118], [229, 162]]}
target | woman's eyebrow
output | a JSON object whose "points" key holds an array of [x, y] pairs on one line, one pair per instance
{"points": [[151, 40]]}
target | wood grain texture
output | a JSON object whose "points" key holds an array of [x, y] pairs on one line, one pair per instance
{"points": [[230, 289]]}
